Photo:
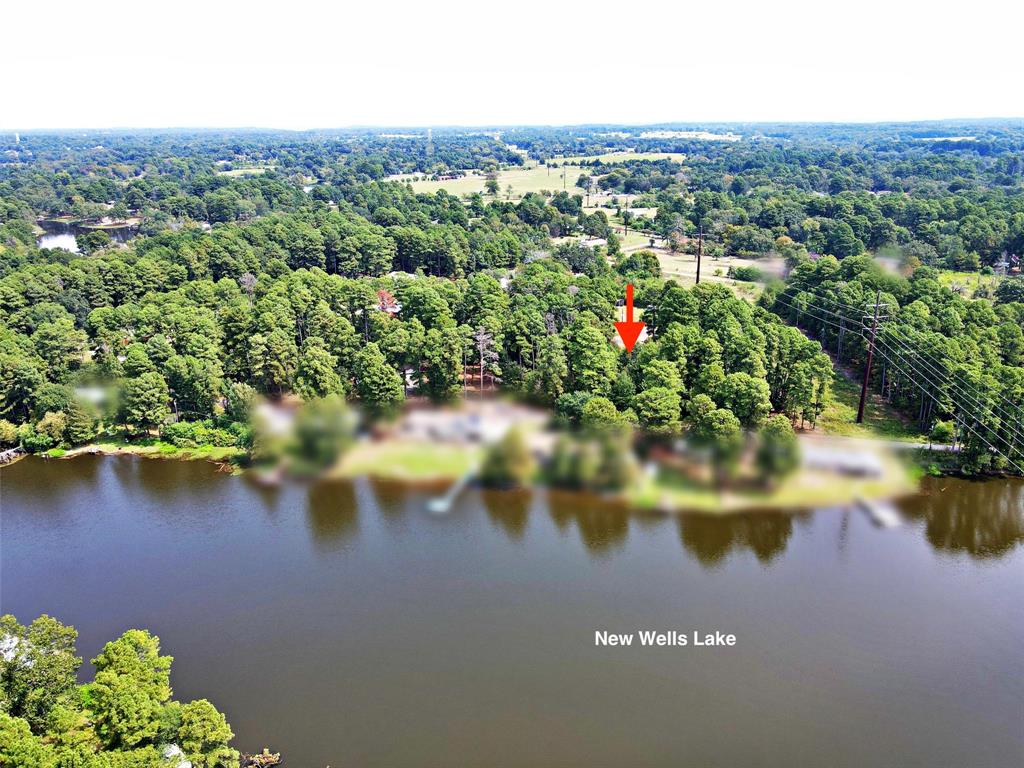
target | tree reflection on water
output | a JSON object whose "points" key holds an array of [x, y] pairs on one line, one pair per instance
{"points": [[509, 510], [332, 513], [710, 538], [603, 526], [985, 519]]}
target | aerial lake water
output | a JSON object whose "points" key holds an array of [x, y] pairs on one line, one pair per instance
{"points": [[344, 624], [59, 234]]}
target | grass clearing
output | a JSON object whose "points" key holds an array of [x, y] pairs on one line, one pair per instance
{"points": [[154, 447], [536, 178], [880, 420], [682, 267], [408, 460], [532, 177], [255, 171], [968, 282], [622, 157], [804, 489]]}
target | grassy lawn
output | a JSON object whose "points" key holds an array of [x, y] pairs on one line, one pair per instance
{"points": [[621, 157], [634, 241], [533, 178], [153, 447], [970, 281], [405, 460], [802, 490], [256, 171], [530, 178], [840, 414], [682, 267]]}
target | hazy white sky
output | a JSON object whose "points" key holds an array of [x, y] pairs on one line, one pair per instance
{"points": [[301, 64]]}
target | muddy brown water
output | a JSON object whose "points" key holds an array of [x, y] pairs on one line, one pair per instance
{"points": [[344, 625]]}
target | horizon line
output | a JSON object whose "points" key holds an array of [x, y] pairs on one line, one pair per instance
{"points": [[492, 126]]}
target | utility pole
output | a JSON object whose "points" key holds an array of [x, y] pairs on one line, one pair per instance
{"points": [[700, 248], [867, 368]]}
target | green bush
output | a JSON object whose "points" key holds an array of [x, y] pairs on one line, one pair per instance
{"points": [[508, 463], [8, 433], [778, 453], [53, 425], [197, 434], [942, 432], [746, 274], [602, 463], [569, 407], [32, 441]]}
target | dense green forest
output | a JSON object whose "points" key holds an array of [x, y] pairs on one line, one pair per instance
{"points": [[124, 718], [954, 365], [289, 265], [275, 263]]}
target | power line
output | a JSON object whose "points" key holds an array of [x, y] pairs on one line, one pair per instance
{"points": [[809, 312], [977, 402], [961, 408], [963, 422], [910, 340], [959, 384], [867, 365], [842, 304], [1017, 410], [860, 311], [1014, 414]]}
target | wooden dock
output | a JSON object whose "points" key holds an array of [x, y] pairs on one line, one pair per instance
{"points": [[882, 513], [442, 504]]}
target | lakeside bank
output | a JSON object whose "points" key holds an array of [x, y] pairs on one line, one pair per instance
{"points": [[439, 464]]}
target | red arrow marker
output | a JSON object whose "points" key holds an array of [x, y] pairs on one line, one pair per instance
{"points": [[629, 331]]}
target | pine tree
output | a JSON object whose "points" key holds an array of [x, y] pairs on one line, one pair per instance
{"points": [[317, 375], [378, 384], [81, 423], [442, 354]]}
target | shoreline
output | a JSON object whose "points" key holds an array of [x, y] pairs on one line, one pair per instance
{"points": [[220, 456], [389, 463]]}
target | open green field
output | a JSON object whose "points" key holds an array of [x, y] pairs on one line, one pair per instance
{"points": [[152, 447], [530, 178], [523, 180], [255, 171], [409, 460], [970, 281], [619, 157], [840, 414], [682, 267], [804, 489]]}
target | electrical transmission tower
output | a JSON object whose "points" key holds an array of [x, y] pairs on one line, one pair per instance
{"points": [[871, 354]]}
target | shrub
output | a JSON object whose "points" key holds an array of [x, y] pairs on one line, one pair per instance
{"points": [[508, 463], [604, 463], [8, 433], [569, 407], [81, 423], [600, 415], [53, 425], [778, 453], [241, 399], [324, 428], [195, 434], [942, 432], [32, 441], [746, 274]]}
